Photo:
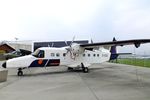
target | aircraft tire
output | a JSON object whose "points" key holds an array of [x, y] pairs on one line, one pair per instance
{"points": [[20, 73], [85, 69]]}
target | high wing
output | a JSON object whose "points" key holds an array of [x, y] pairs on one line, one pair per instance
{"points": [[135, 42]]}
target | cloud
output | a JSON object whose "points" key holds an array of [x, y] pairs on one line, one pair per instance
{"points": [[98, 19], [132, 18], [46, 17]]}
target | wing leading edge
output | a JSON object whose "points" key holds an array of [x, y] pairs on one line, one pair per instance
{"points": [[135, 42]]}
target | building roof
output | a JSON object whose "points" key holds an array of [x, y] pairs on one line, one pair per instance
{"points": [[6, 48], [57, 43]]}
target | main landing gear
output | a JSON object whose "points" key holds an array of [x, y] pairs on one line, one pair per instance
{"points": [[82, 68], [70, 68], [20, 72]]}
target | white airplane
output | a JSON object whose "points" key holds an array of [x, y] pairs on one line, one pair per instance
{"points": [[73, 56]]}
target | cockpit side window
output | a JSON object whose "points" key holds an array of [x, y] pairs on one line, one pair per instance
{"points": [[39, 53]]}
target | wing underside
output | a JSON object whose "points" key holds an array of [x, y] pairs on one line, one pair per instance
{"points": [[136, 42]]}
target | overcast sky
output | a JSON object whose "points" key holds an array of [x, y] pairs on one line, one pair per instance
{"points": [[100, 20]]}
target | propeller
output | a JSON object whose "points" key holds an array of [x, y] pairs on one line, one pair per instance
{"points": [[72, 41], [70, 49]]}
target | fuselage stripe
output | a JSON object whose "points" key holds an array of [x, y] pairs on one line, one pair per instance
{"points": [[45, 63]]}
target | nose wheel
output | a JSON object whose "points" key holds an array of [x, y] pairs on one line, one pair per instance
{"points": [[20, 72]]}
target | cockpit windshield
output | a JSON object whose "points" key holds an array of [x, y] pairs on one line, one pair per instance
{"points": [[38, 53]]}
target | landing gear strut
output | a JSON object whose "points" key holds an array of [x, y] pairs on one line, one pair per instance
{"points": [[84, 69], [20, 72], [81, 68], [70, 68]]}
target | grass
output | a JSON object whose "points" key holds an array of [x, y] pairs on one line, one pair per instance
{"points": [[135, 62]]}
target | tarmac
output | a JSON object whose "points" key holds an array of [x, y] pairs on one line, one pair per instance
{"points": [[105, 81]]}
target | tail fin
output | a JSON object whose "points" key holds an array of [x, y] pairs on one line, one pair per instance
{"points": [[114, 54], [113, 51]]}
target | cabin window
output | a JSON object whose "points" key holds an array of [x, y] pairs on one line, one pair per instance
{"points": [[52, 54], [83, 55], [64, 54], [89, 55], [57, 54], [94, 55], [97, 55]]}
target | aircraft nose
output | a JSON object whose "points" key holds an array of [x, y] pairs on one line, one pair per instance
{"points": [[4, 65]]}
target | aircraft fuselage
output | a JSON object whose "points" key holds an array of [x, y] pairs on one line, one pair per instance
{"points": [[48, 57]]}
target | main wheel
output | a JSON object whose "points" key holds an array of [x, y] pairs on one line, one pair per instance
{"points": [[85, 69], [20, 73]]}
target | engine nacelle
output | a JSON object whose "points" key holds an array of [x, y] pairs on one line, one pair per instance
{"points": [[76, 49]]}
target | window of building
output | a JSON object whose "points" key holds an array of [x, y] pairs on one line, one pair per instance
{"points": [[89, 55]]}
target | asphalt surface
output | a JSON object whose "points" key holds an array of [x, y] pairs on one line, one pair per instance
{"points": [[105, 81]]}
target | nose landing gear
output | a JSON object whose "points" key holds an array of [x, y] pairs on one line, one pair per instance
{"points": [[20, 72]]}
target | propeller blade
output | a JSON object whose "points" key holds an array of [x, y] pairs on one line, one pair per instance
{"points": [[66, 43], [69, 49], [52, 44], [92, 41], [72, 41]]}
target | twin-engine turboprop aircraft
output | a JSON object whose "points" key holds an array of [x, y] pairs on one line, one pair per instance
{"points": [[75, 55]]}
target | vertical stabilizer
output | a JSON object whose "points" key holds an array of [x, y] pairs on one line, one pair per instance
{"points": [[113, 51]]}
